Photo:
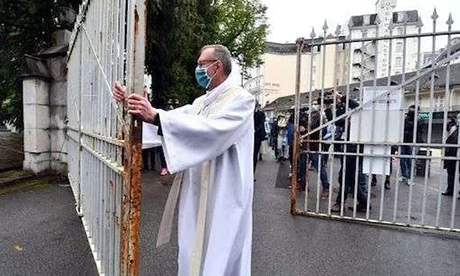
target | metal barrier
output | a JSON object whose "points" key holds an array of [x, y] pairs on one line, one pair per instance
{"points": [[104, 144], [372, 129]]}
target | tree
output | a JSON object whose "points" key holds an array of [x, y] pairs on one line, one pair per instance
{"points": [[178, 29], [25, 28], [242, 28]]}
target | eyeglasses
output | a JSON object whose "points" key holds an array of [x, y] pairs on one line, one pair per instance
{"points": [[206, 61]]}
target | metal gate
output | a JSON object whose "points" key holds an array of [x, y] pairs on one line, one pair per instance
{"points": [[359, 144], [104, 143]]}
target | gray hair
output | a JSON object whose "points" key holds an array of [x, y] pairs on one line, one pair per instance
{"points": [[223, 54]]}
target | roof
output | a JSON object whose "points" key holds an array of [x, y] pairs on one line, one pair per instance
{"points": [[287, 102], [358, 20]]}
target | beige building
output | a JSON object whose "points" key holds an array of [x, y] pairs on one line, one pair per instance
{"points": [[277, 76]]}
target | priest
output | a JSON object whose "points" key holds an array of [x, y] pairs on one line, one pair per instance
{"points": [[209, 145]]}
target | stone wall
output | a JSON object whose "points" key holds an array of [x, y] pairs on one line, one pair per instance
{"points": [[11, 150]]}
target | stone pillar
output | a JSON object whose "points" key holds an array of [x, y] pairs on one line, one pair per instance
{"points": [[37, 156], [45, 102], [45, 107], [57, 65]]}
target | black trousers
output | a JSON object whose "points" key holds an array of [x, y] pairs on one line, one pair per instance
{"points": [[257, 143], [350, 174], [148, 156], [451, 178]]}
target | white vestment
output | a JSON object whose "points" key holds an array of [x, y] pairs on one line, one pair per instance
{"points": [[218, 130]]}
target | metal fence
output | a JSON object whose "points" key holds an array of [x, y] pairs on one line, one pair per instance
{"points": [[104, 144], [367, 141]]}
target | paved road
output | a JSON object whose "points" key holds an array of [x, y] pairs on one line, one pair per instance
{"points": [[422, 208], [41, 235], [43, 223]]}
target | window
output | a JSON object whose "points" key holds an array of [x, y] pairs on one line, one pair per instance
{"points": [[440, 103], [399, 46], [398, 61], [366, 19], [401, 16]]}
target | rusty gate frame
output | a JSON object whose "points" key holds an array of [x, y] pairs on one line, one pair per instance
{"points": [[104, 142]]}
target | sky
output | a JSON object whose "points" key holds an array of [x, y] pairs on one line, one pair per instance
{"points": [[291, 19]]}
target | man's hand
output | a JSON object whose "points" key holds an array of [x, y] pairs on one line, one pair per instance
{"points": [[141, 107], [119, 91]]}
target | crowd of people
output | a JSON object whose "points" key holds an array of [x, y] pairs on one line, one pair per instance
{"points": [[315, 150]]}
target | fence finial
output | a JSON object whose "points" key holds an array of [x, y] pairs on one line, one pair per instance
{"points": [[419, 22], [337, 30], [435, 15], [450, 21], [325, 27]]}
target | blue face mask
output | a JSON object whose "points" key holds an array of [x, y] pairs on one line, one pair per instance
{"points": [[202, 77]]}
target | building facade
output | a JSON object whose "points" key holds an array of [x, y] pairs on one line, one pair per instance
{"points": [[373, 59], [277, 76]]}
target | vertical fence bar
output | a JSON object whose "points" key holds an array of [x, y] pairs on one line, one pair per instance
{"points": [[356, 158], [132, 186], [385, 177], [346, 130], [410, 181], [430, 122], [310, 95], [295, 151], [369, 186], [319, 153], [334, 113], [456, 174]]}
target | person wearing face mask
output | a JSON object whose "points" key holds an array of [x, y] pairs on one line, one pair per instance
{"points": [[410, 123], [209, 144], [450, 165]]}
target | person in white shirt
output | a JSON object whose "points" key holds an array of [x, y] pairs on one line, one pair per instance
{"points": [[209, 144]]}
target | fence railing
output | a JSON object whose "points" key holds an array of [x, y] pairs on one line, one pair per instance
{"points": [[357, 138], [104, 143]]}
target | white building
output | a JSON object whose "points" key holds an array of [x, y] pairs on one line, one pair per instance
{"points": [[277, 76], [373, 58]]}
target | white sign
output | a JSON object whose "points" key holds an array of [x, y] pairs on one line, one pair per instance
{"points": [[393, 101], [380, 121]]}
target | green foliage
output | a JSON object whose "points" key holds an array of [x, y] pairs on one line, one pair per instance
{"points": [[178, 29], [242, 28], [25, 28]]}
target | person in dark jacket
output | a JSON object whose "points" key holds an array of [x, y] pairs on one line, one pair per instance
{"points": [[259, 132], [290, 137], [450, 165], [351, 161], [410, 123], [274, 130], [314, 147]]}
